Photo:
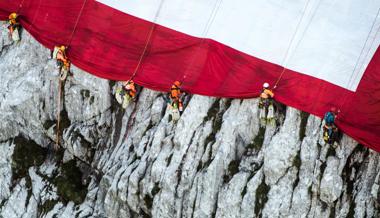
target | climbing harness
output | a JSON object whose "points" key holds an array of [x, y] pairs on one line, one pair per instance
{"points": [[330, 134]]}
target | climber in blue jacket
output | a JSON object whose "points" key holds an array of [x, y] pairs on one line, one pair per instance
{"points": [[330, 126]]}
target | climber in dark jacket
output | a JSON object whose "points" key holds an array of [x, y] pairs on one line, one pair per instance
{"points": [[330, 126]]}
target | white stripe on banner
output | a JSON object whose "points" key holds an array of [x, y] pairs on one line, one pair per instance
{"points": [[334, 41]]}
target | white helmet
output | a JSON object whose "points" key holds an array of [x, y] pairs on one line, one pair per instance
{"points": [[266, 85]]}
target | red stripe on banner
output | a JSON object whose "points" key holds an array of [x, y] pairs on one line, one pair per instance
{"points": [[108, 43]]}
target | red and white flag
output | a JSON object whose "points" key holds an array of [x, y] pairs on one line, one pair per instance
{"points": [[319, 53]]}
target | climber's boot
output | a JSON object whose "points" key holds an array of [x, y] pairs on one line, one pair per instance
{"points": [[270, 117], [119, 95], [55, 52], [15, 35], [263, 120], [126, 100], [174, 112]]}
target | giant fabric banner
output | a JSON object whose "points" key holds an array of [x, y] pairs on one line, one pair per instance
{"points": [[318, 53]]}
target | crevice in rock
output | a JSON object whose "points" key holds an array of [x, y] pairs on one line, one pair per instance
{"points": [[148, 198], [27, 153], [261, 197], [258, 141], [216, 115], [233, 168], [118, 125], [47, 206], [297, 164], [303, 124], [169, 159], [350, 174], [280, 110], [332, 211], [179, 169], [69, 184]]}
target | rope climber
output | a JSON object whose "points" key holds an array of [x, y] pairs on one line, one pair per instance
{"points": [[175, 101], [126, 93], [63, 62], [330, 130], [176, 94], [266, 106], [14, 27], [63, 65]]}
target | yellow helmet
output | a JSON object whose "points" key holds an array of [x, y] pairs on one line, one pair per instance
{"points": [[63, 48], [13, 15]]}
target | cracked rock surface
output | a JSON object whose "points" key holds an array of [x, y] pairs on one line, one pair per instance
{"points": [[215, 161]]}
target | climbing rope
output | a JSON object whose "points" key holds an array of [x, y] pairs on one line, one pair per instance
{"points": [[76, 23], [290, 45], [35, 14], [148, 40], [58, 113], [354, 71], [362, 50], [20, 6], [209, 23]]}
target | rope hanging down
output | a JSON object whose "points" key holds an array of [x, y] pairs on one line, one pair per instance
{"points": [[76, 23], [60, 81], [209, 22], [148, 40], [352, 78], [35, 15], [58, 113], [353, 74], [290, 45], [129, 125], [20, 7]]}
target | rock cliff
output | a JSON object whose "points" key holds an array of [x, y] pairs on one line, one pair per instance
{"points": [[215, 162]]}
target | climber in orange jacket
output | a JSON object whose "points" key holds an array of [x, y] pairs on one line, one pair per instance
{"points": [[130, 88], [63, 62], [61, 55], [266, 106], [266, 96], [175, 96]]}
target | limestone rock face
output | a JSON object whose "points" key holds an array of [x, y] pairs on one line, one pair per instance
{"points": [[215, 161]]}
